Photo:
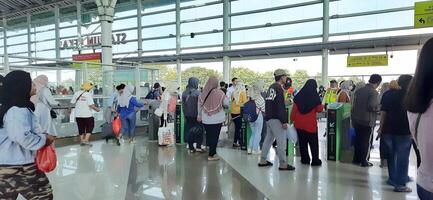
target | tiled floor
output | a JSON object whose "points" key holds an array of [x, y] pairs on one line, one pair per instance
{"points": [[146, 171]]}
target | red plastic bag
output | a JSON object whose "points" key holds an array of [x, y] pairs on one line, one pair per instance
{"points": [[117, 125], [46, 159]]}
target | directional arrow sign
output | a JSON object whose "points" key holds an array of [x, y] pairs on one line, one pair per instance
{"points": [[423, 14]]}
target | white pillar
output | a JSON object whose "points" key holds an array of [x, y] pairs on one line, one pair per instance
{"points": [[5, 47], [57, 45], [139, 28], [325, 52], [79, 33], [106, 14], [178, 45], [137, 82], [29, 38], [226, 40]]}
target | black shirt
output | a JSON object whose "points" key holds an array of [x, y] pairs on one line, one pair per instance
{"points": [[275, 105], [396, 121]]}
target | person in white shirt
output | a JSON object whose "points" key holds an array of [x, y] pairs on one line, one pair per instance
{"points": [[44, 101], [84, 105], [231, 89]]}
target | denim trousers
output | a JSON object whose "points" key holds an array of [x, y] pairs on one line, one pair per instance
{"points": [[398, 147]]}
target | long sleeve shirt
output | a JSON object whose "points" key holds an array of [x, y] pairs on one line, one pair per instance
{"points": [[275, 104], [306, 122], [217, 118], [365, 106], [20, 137], [125, 111]]}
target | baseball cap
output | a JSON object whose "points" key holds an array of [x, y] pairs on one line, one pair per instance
{"points": [[87, 86], [280, 72]]}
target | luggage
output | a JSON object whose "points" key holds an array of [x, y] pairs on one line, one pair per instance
{"points": [[166, 135]]}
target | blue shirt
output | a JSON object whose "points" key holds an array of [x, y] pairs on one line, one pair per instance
{"points": [[125, 111], [113, 99], [20, 137]]}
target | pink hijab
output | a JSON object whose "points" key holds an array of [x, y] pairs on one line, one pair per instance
{"points": [[40, 82], [214, 102]]}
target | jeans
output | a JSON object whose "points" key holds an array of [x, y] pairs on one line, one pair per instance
{"points": [[398, 147], [256, 128], [238, 128], [362, 143], [212, 135], [193, 138], [128, 125], [275, 131], [312, 139]]}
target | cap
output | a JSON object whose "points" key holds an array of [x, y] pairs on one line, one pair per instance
{"points": [[280, 72], [87, 86]]}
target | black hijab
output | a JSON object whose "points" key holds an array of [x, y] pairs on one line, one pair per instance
{"points": [[1, 88], [16, 92], [307, 99]]}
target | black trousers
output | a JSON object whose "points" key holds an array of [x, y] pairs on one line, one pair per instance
{"points": [[362, 143], [238, 127], [212, 136], [308, 139], [193, 138]]}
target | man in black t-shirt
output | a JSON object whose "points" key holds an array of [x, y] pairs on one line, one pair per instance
{"points": [[277, 122], [394, 130]]}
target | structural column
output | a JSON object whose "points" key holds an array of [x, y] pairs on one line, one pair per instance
{"points": [[5, 47], [106, 15], [178, 45], [139, 28], [57, 45], [226, 40], [29, 38], [325, 52]]}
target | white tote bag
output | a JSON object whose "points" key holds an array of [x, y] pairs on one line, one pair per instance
{"points": [[292, 135], [166, 135]]}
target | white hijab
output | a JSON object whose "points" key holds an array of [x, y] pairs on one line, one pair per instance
{"points": [[126, 96]]}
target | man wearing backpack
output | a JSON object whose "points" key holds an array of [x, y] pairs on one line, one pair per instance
{"points": [[155, 93], [277, 122]]}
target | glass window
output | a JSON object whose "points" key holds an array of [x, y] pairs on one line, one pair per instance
{"points": [[292, 14], [158, 18], [45, 36], [247, 5], [66, 32], [125, 11], [201, 26], [130, 35], [44, 54], [16, 40], [372, 22], [159, 31], [128, 47], [195, 2], [125, 23], [278, 32], [154, 6], [202, 40], [160, 44], [18, 48], [66, 53], [44, 45], [206, 11], [91, 28], [356, 6]]}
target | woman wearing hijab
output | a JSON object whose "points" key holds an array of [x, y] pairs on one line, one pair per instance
{"points": [[345, 92], [1, 89], [189, 106], [238, 99], [20, 138], [306, 106], [257, 126], [84, 105], [43, 101], [211, 105], [126, 109]]}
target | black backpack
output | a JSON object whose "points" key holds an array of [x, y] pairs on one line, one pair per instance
{"points": [[150, 95]]}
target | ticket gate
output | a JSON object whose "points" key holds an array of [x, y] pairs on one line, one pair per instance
{"points": [[179, 125], [338, 136]]}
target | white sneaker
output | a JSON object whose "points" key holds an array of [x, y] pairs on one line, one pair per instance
{"points": [[257, 152], [249, 151]]}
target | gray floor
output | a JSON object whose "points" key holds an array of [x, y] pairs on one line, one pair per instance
{"points": [[146, 171]]}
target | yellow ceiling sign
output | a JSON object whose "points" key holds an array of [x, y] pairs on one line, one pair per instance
{"points": [[423, 14], [367, 61]]}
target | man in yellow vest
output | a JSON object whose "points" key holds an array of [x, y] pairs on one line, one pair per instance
{"points": [[331, 93]]}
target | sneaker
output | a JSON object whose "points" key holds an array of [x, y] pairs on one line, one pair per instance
{"points": [[366, 164], [265, 164], [213, 158], [258, 152], [249, 151], [287, 168], [132, 141], [200, 150], [235, 145], [88, 144], [191, 151], [403, 189], [317, 162]]}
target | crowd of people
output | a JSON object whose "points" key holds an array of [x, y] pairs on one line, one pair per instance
{"points": [[405, 107]]}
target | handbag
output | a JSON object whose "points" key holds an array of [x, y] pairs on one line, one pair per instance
{"points": [[53, 114], [46, 159]]}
